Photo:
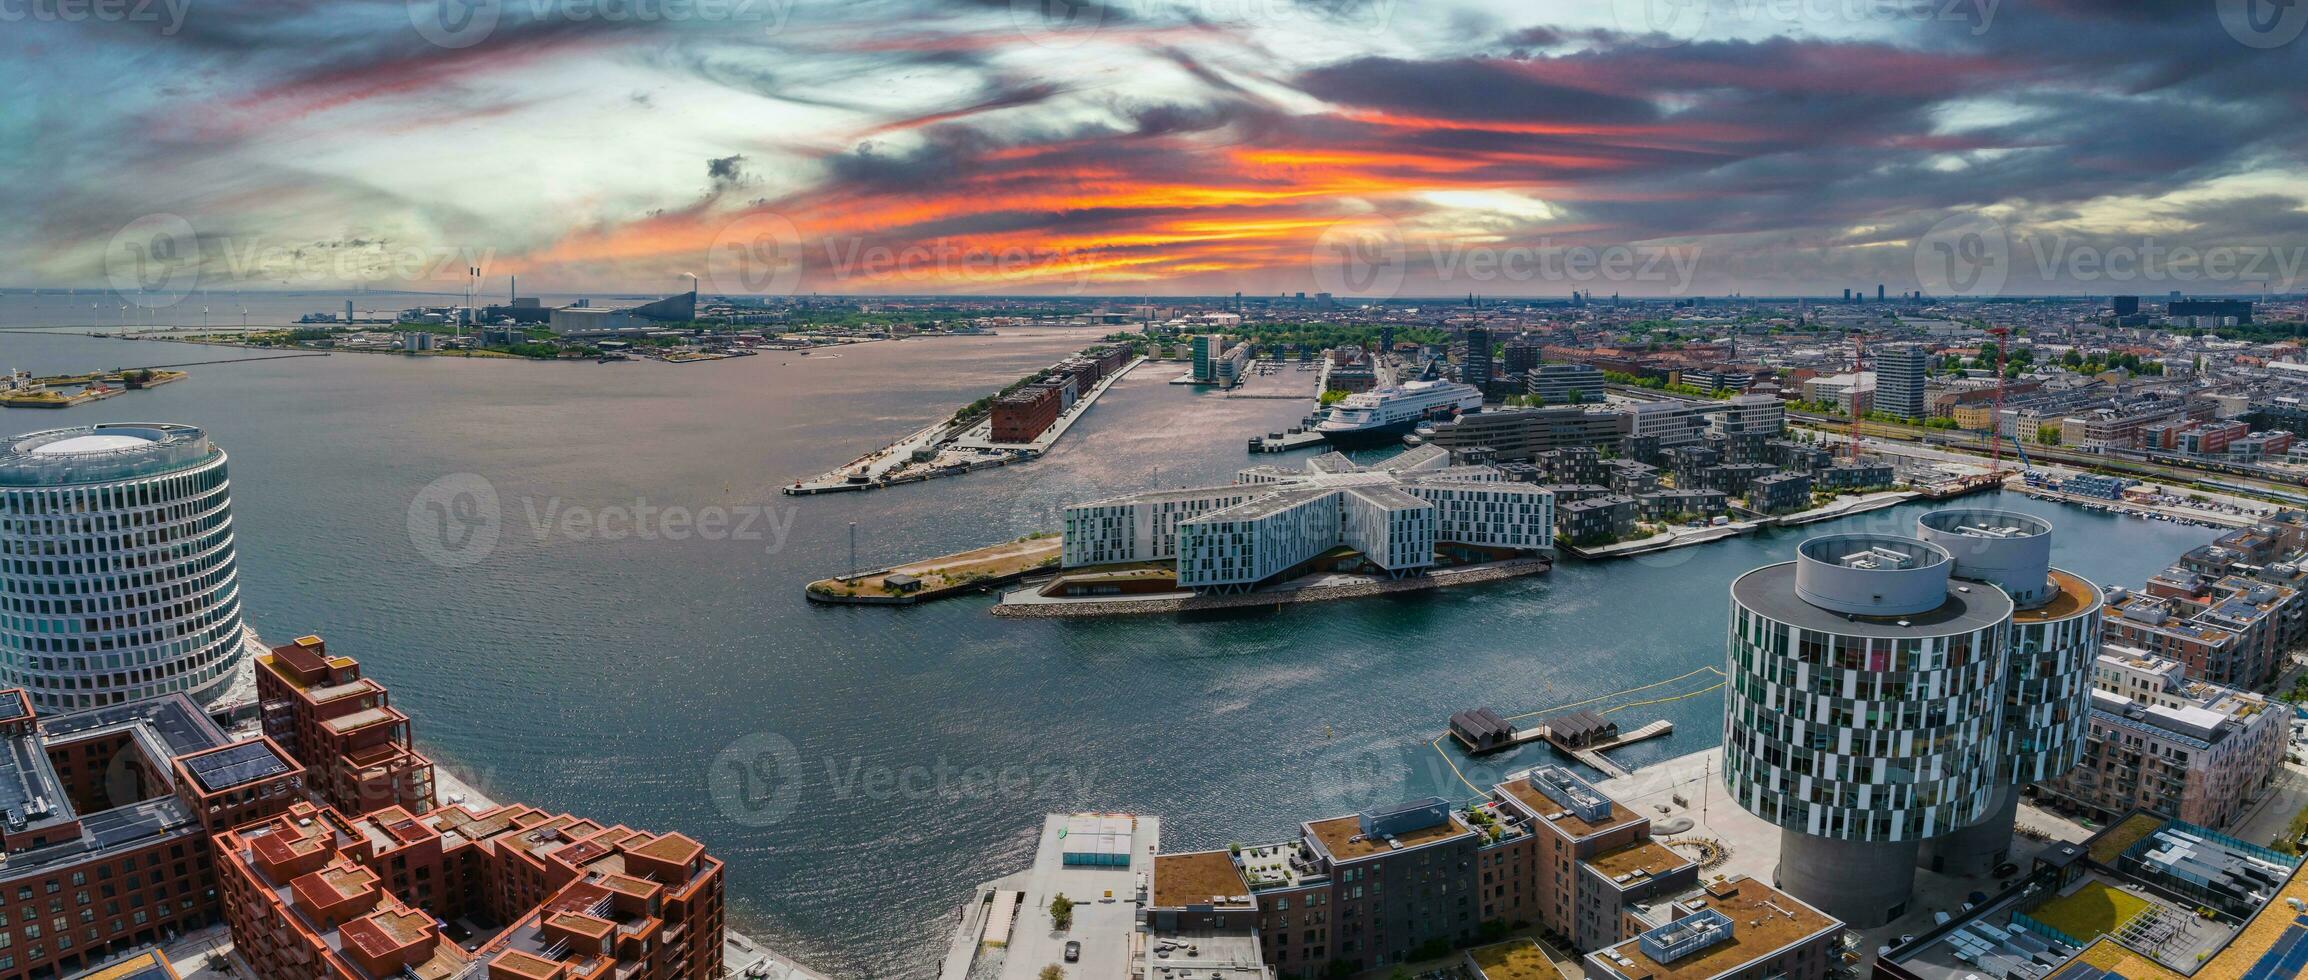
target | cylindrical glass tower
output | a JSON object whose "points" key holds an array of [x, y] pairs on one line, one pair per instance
{"points": [[117, 575], [1866, 694], [2055, 639]]}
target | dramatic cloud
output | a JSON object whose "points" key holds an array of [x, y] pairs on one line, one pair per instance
{"points": [[911, 145]]}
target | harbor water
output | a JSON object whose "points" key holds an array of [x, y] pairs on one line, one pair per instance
{"points": [[563, 639]]}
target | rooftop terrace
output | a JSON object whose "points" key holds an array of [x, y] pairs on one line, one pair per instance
{"points": [[1199, 878], [1764, 921], [1343, 838]]}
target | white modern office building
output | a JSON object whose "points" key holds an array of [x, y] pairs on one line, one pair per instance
{"points": [[1849, 393], [1395, 514], [117, 573], [1673, 423], [1216, 362], [1745, 415], [1889, 694], [1565, 384]]}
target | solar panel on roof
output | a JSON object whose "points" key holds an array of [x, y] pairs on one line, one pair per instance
{"points": [[236, 766], [2288, 957]]}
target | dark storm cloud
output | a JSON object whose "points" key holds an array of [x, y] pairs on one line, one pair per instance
{"points": [[1467, 89], [726, 172]]}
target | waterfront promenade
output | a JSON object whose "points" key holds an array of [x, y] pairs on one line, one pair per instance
{"points": [[953, 450], [1683, 537], [742, 955]]}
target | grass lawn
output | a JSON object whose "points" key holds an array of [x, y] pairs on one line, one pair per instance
{"points": [[2093, 911], [2113, 843], [1515, 959]]}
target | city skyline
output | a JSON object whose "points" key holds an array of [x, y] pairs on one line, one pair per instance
{"points": [[1365, 149]]}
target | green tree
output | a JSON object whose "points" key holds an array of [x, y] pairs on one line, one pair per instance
{"points": [[1053, 972], [1061, 912]]}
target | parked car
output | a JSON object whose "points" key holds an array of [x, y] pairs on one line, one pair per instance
{"points": [[1073, 951]]}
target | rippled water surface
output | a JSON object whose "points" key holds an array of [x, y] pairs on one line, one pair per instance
{"points": [[891, 757]]}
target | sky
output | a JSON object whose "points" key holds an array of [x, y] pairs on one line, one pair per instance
{"points": [[1149, 147]]}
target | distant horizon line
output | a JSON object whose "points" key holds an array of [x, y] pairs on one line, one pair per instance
{"points": [[1835, 299]]}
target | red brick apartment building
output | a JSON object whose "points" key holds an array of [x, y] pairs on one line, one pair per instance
{"points": [[1372, 889], [127, 825], [343, 727], [1022, 415], [1392, 885], [355, 884], [104, 815], [312, 893]]}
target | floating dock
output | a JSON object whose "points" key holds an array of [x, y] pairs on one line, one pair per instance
{"points": [[1482, 732], [1282, 442], [1593, 754]]}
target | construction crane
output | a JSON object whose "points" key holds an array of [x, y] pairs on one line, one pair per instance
{"points": [[2002, 337], [1858, 367], [1995, 428]]}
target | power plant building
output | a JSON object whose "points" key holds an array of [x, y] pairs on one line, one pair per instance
{"points": [[580, 320]]}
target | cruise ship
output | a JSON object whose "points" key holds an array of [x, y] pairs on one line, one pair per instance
{"points": [[1384, 415]]}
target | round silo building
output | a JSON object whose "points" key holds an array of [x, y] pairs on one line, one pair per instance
{"points": [[1865, 698], [2054, 642], [118, 579]]}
